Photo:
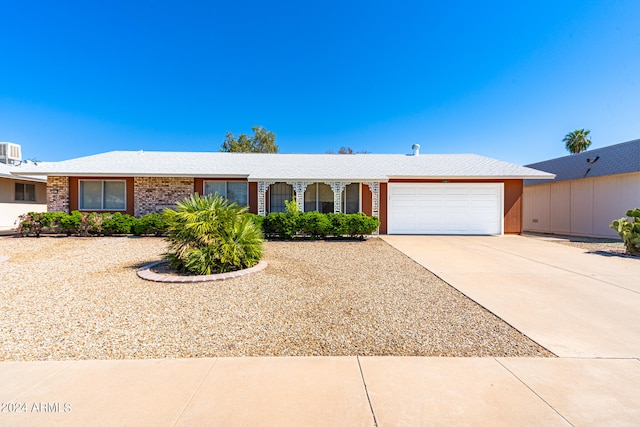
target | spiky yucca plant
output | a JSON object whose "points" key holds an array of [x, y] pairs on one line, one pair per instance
{"points": [[207, 235]]}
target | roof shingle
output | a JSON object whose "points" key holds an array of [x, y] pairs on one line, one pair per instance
{"points": [[280, 167], [611, 160]]}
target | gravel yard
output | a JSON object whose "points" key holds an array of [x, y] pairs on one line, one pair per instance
{"points": [[603, 246], [79, 298]]}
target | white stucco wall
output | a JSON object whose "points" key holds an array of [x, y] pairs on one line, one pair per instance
{"points": [[9, 213], [582, 207]]}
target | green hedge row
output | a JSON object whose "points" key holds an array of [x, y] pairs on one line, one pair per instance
{"points": [[90, 224], [287, 225], [279, 225]]}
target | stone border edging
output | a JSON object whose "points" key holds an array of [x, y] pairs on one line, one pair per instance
{"points": [[146, 274]]}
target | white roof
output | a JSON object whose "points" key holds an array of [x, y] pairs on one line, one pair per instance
{"points": [[286, 167], [13, 172]]}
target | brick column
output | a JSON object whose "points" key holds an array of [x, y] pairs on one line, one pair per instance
{"points": [[58, 194]]}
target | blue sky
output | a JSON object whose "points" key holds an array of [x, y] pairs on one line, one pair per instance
{"points": [[502, 79]]}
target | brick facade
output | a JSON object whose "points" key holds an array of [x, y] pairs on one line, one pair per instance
{"points": [[154, 194], [58, 194]]}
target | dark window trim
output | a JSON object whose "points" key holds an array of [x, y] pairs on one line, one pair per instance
{"points": [[102, 209]]}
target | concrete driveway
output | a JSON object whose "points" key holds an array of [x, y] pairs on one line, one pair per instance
{"points": [[574, 303]]}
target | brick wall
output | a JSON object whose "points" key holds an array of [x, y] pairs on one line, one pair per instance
{"points": [[153, 194], [58, 202]]}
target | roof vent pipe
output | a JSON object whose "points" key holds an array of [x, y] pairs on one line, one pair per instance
{"points": [[416, 149]]}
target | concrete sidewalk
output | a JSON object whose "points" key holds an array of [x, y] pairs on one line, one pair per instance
{"points": [[574, 303], [322, 391]]}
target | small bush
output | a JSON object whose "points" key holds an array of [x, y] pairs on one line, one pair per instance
{"points": [[150, 224], [69, 224], [629, 230], [315, 224], [53, 221], [338, 224], [358, 225], [281, 225], [32, 223], [117, 223], [90, 224]]}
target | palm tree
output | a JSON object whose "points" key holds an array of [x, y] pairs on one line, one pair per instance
{"points": [[577, 141], [207, 234]]}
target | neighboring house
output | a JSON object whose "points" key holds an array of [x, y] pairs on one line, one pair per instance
{"points": [[411, 194], [590, 190], [18, 194]]}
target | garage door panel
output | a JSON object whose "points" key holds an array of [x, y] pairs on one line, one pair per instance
{"points": [[435, 204], [429, 191], [482, 204], [431, 208], [483, 190], [404, 203], [456, 191], [456, 203], [404, 192]]}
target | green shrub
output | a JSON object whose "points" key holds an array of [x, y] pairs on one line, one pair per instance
{"points": [[315, 224], [338, 224], [629, 231], [53, 221], [281, 225], [150, 224], [358, 225], [35, 223], [257, 219], [291, 207], [207, 234], [32, 223], [117, 223], [69, 224], [318, 225], [90, 224]]}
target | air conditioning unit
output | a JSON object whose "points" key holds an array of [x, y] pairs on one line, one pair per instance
{"points": [[10, 153]]}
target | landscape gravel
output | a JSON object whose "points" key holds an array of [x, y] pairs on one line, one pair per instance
{"points": [[602, 246], [80, 298]]}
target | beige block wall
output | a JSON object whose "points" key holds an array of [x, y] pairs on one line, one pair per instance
{"points": [[8, 191], [9, 213], [583, 207], [581, 197], [10, 209], [560, 200], [154, 194]]}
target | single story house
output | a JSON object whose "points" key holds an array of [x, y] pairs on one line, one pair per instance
{"points": [[411, 194], [18, 194], [590, 190]]}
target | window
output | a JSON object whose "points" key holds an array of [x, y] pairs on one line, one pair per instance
{"points": [[102, 195], [278, 193], [351, 199], [26, 192], [318, 197], [233, 191]]}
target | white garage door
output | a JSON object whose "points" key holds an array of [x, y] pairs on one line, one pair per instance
{"points": [[447, 208]]}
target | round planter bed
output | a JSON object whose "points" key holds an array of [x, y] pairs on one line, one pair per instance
{"points": [[146, 272]]}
